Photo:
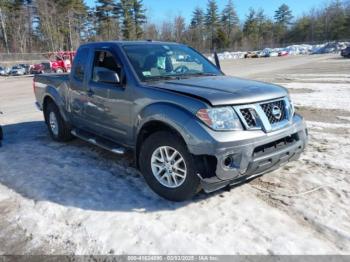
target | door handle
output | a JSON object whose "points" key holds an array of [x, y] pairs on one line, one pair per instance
{"points": [[90, 93]]}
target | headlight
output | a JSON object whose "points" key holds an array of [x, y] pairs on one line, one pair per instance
{"points": [[291, 107], [222, 118]]}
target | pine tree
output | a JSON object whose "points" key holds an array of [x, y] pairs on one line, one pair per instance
{"points": [[197, 20], [265, 29], [139, 18], [335, 21], [197, 26], [347, 23], [283, 18], [76, 12], [283, 15], [107, 13], [300, 31], [127, 16], [251, 29], [212, 21], [229, 19], [221, 40]]}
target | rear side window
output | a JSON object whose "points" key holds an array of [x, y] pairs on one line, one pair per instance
{"points": [[79, 64]]}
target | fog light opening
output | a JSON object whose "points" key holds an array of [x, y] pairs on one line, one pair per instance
{"points": [[228, 161]]}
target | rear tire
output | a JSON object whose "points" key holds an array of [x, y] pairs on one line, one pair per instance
{"points": [[174, 176], [59, 130]]}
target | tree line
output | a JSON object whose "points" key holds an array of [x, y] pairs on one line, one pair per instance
{"points": [[47, 25]]}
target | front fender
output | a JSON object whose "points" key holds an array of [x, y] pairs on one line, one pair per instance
{"points": [[191, 129]]}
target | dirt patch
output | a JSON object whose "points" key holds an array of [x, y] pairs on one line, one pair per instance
{"points": [[300, 90], [335, 131], [323, 115]]}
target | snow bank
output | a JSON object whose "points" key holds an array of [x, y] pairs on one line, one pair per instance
{"points": [[228, 55], [302, 49]]}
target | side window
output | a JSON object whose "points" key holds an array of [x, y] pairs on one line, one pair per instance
{"points": [[79, 64], [104, 61]]}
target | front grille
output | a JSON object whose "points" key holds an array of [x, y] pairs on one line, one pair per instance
{"points": [[268, 116], [271, 115], [276, 145], [248, 117]]}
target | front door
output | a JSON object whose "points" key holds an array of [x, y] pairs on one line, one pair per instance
{"points": [[108, 106]]}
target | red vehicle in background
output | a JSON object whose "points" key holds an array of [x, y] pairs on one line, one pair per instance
{"points": [[59, 62], [283, 53]]}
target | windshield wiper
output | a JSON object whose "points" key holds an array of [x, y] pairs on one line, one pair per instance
{"points": [[202, 74], [157, 78], [178, 77]]}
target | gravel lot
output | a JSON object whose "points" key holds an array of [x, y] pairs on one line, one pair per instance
{"points": [[76, 198]]}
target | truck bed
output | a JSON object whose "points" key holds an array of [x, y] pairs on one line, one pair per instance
{"points": [[44, 82], [51, 79]]}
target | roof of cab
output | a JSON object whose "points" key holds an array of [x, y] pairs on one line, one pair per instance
{"points": [[124, 43]]}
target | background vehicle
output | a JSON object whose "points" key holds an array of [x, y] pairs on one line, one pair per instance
{"points": [[346, 52], [26, 68], [283, 53], [273, 54], [255, 54], [61, 61], [44, 67], [188, 125], [17, 70], [4, 71]]}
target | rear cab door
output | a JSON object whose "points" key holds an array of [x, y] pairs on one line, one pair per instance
{"points": [[77, 95]]}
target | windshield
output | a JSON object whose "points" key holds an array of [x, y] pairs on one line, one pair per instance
{"points": [[163, 61]]}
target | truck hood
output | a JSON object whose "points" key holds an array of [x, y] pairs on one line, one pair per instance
{"points": [[225, 90]]}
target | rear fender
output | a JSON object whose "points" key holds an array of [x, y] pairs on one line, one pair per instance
{"points": [[56, 97]]}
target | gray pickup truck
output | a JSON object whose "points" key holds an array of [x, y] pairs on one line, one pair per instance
{"points": [[189, 126]]}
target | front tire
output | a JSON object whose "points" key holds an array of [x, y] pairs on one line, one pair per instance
{"points": [[168, 167], [59, 130]]}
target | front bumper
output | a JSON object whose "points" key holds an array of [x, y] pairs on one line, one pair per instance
{"points": [[241, 155]]}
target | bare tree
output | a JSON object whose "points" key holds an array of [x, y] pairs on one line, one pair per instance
{"points": [[167, 31], [179, 28], [3, 30]]}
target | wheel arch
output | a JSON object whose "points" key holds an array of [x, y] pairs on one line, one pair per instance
{"points": [[150, 128], [50, 98]]}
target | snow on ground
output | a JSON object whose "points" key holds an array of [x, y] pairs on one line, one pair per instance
{"points": [[76, 198], [80, 196], [322, 95]]}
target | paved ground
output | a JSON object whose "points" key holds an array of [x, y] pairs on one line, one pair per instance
{"points": [[76, 198]]}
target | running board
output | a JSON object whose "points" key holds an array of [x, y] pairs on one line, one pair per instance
{"points": [[98, 141]]}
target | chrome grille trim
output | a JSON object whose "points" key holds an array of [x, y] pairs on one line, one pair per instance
{"points": [[268, 109], [261, 116], [249, 117]]}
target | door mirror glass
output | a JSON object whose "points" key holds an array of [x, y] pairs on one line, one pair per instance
{"points": [[108, 77]]}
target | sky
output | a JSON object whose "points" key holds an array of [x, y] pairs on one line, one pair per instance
{"points": [[159, 10]]}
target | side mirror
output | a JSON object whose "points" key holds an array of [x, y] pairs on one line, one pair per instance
{"points": [[108, 77]]}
